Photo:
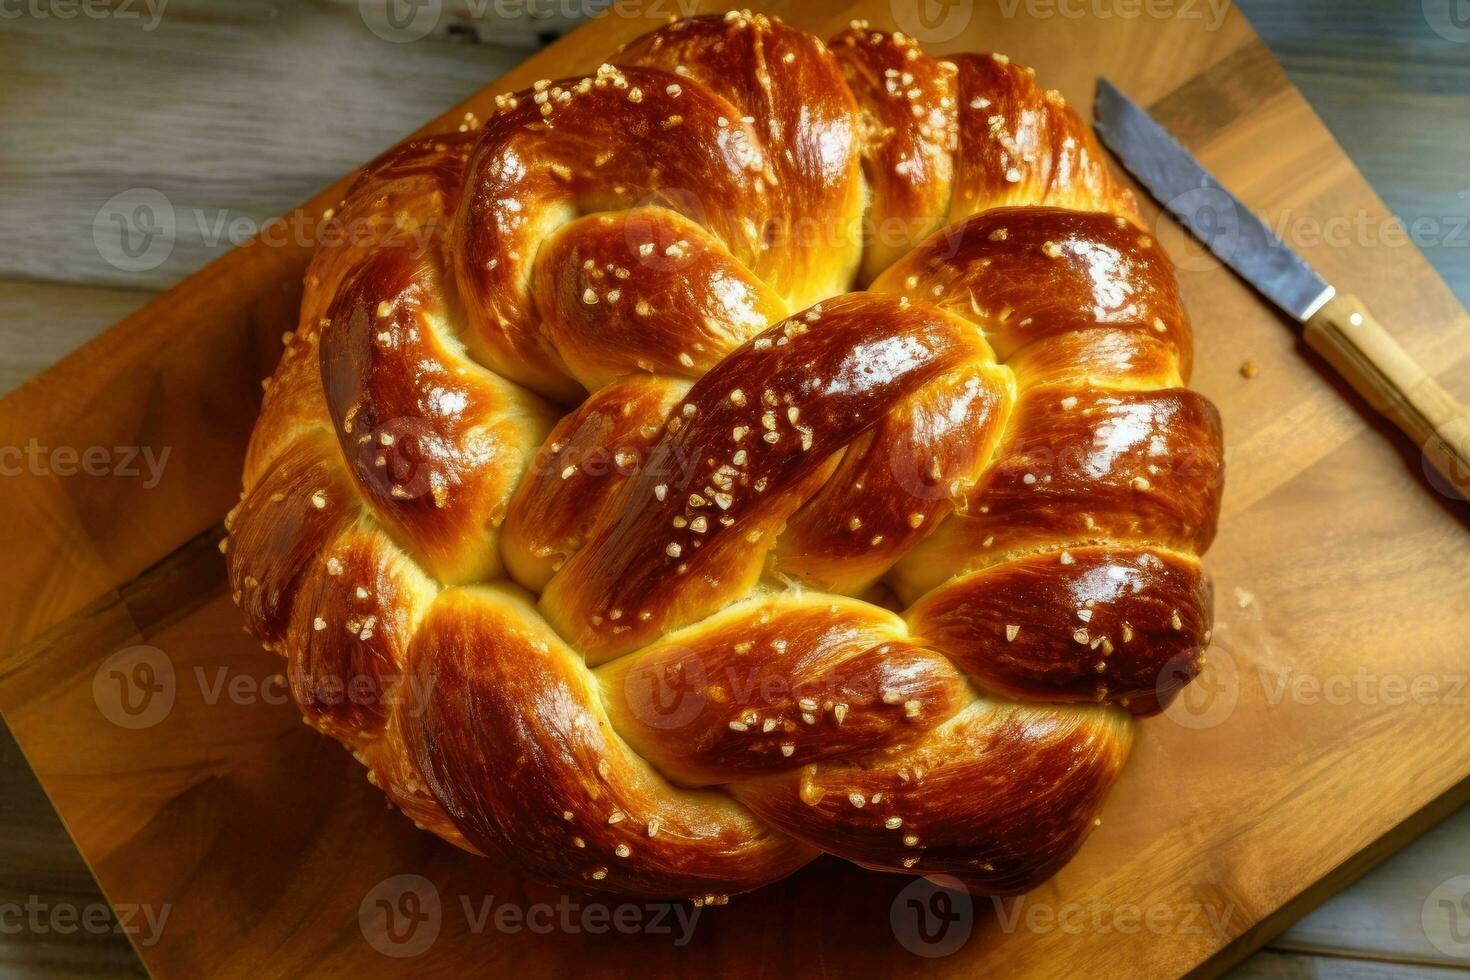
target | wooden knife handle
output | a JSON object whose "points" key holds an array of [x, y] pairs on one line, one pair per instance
{"points": [[1345, 333]]}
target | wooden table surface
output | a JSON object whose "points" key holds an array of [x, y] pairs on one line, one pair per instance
{"points": [[213, 115]]}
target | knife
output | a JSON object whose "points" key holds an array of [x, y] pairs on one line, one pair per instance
{"points": [[1336, 324]]}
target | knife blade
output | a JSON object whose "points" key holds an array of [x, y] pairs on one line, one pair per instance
{"points": [[1229, 229], [1337, 325]]}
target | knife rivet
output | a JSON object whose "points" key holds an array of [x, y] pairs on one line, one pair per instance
{"points": [[1356, 319]]}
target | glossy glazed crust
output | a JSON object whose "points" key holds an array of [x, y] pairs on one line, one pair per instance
{"points": [[623, 543]]}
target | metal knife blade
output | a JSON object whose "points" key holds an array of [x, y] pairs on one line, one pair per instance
{"points": [[1215, 216]]}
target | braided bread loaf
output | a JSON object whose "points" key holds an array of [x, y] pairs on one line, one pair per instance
{"points": [[621, 540]]}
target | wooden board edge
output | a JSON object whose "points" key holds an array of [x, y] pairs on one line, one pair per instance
{"points": [[1233, 953], [71, 837]]}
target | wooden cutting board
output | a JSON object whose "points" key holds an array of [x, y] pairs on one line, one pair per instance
{"points": [[1327, 730]]}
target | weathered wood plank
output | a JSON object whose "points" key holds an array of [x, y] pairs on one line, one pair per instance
{"points": [[42, 322], [1396, 95], [235, 113], [1271, 965]]}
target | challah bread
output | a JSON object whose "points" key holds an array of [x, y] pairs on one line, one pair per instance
{"points": [[624, 542]]}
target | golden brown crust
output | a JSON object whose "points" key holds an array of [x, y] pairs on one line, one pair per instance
{"points": [[1034, 274], [423, 427], [1021, 145], [400, 203], [758, 430], [646, 291], [1079, 465], [791, 569], [347, 646], [575, 474], [1104, 624], [898, 482], [909, 130], [1000, 796], [775, 684], [788, 89], [280, 527], [514, 743], [548, 157]]}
